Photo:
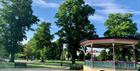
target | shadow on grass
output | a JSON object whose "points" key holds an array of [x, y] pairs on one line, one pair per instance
{"points": [[47, 64]]}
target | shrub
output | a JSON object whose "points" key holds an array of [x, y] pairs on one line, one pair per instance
{"points": [[139, 69], [81, 56], [76, 67], [88, 56]]}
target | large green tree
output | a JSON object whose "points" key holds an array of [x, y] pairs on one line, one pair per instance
{"points": [[58, 48], [29, 49], [17, 17], [121, 25], [72, 18], [43, 39]]}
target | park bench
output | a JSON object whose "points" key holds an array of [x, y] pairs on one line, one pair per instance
{"points": [[20, 64], [2, 60]]}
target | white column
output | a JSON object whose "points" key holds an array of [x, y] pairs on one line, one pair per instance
{"points": [[114, 55], [84, 52], [105, 54], [134, 55], [113, 51], [92, 52]]}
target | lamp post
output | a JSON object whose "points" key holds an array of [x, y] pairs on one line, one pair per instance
{"points": [[62, 58], [62, 54]]}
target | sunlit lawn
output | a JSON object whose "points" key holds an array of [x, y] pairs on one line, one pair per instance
{"points": [[6, 65], [37, 64]]}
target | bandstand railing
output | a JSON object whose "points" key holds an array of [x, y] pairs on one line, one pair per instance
{"points": [[111, 64]]}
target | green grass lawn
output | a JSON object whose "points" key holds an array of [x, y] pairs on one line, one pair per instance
{"points": [[37, 64], [6, 65], [52, 64]]}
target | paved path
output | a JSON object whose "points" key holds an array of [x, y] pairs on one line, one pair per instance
{"points": [[34, 69]]}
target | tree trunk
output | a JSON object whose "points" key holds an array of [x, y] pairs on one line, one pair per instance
{"points": [[42, 59], [123, 54], [12, 57], [73, 61], [27, 58], [73, 57], [42, 55]]}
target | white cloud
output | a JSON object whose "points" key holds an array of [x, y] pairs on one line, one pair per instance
{"points": [[136, 12], [25, 41], [98, 1], [42, 3], [111, 7], [54, 27], [114, 8], [56, 38], [44, 20], [97, 17], [105, 7], [1, 5]]}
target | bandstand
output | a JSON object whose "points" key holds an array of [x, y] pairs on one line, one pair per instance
{"points": [[111, 65]]}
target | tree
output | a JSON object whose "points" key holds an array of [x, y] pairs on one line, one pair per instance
{"points": [[3, 52], [102, 55], [88, 56], [72, 18], [81, 56], [29, 49], [54, 51], [58, 47], [2, 49], [121, 25], [43, 39], [17, 15]]}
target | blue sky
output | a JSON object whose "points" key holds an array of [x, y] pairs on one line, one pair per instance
{"points": [[46, 9]]}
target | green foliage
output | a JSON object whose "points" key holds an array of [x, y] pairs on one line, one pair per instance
{"points": [[45, 50], [72, 18], [17, 17], [88, 56], [76, 67], [51, 53], [37, 54], [139, 69], [120, 25], [110, 54], [3, 52], [54, 52], [42, 36], [81, 56], [42, 39], [102, 55], [29, 48], [58, 47]]}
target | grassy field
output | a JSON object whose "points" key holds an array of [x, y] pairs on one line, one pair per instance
{"points": [[37, 64]]}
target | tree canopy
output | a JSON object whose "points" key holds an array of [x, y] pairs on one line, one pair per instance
{"points": [[120, 25], [43, 38], [17, 18], [72, 18]]}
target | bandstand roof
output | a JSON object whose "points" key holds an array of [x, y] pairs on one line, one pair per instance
{"points": [[107, 42]]}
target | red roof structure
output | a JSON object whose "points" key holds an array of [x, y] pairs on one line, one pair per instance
{"points": [[107, 42]]}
